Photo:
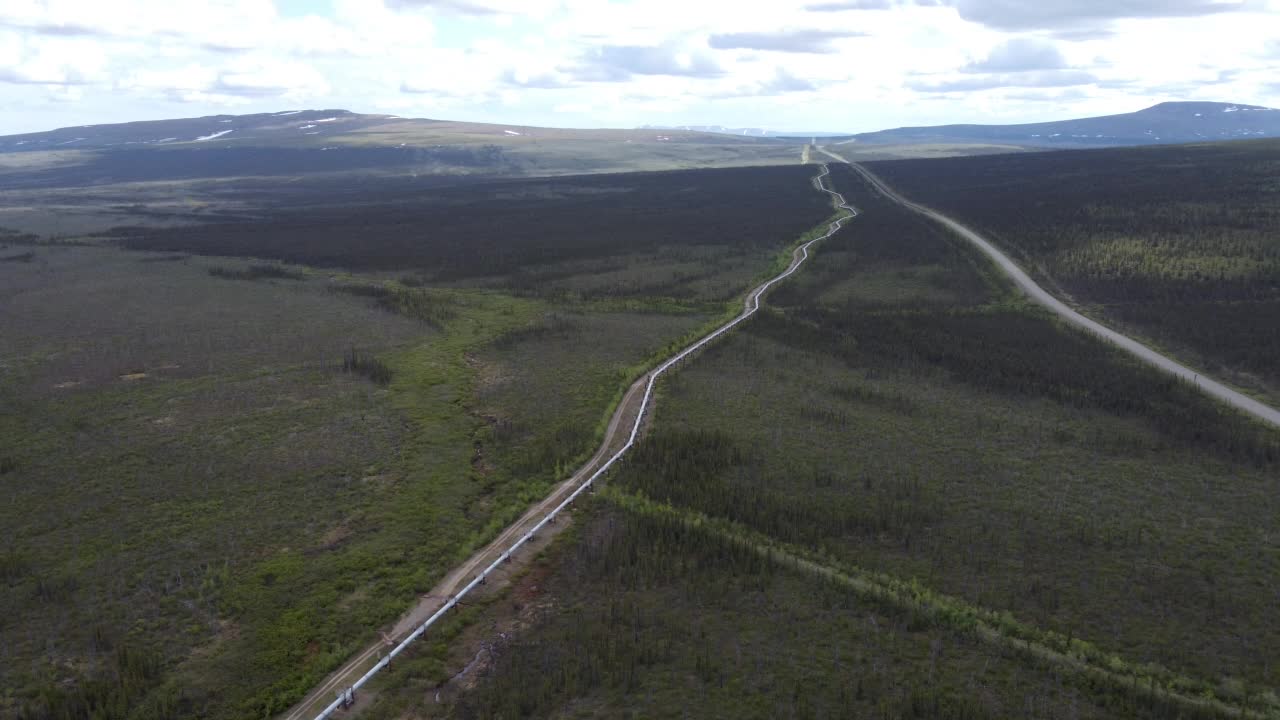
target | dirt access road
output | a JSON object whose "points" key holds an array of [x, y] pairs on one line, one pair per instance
{"points": [[490, 562], [1236, 399]]}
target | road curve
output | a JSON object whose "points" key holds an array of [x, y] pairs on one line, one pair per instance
{"points": [[432, 601], [1238, 400], [560, 498]]}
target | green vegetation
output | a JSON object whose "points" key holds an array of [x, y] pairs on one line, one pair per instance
{"points": [[207, 514], [641, 613], [906, 436], [371, 367], [1180, 244], [530, 233], [255, 271]]}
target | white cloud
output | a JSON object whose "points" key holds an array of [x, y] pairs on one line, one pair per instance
{"points": [[58, 60], [1084, 14], [237, 83], [795, 41], [833, 64], [1020, 55]]}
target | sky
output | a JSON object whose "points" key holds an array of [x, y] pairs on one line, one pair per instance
{"points": [[803, 65]]}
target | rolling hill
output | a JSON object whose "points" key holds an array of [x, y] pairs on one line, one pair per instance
{"points": [[1166, 123], [322, 128], [311, 145]]}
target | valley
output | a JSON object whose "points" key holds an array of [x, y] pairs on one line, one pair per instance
{"points": [[276, 403], [891, 444]]}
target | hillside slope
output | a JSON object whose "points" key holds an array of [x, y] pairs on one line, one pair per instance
{"points": [[310, 141], [1166, 123]]}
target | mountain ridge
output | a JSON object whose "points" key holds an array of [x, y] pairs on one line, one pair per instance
{"points": [[1163, 123], [314, 128]]}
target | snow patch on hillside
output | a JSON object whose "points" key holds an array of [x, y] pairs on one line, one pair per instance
{"points": [[213, 136]]}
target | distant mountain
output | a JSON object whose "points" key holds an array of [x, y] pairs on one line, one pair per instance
{"points": [[293, 127], [311, 143], [1170, 122], [317, 129]]}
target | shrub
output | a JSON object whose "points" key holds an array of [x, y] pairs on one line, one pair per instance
{"points": [[371, 367]]}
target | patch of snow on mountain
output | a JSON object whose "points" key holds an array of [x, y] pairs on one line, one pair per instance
{"points": [[1233, 108], [213, 136], [511, 132], [327, 119], [288, 112], [306, 127]]}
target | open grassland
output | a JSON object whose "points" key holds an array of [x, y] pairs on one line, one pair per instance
{"points": [[1180, 244], [72, 192], [866, 152], [906, 422], [350, 156], [225, 475]]}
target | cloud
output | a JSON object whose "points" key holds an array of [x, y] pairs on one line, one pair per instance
{"points": [[49, 61], [35, 75], [546, 80], [1042, 79], [795, 41], [1069, 14], [1019, 55], [41, 19], [849, 5], [270, 81], [458, 6], [516, 61], [784, 82], [618, 63], [239, 81], [842, 5], [466, 7], [1057, 96], [133, 18], [780, 83]]}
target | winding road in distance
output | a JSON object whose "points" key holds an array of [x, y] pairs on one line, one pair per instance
{"points": [[1263, 412], [630, 413]]}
